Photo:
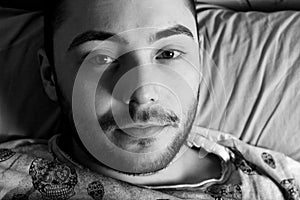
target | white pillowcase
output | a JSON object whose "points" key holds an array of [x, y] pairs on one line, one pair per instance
{"points": [[251, 72]]}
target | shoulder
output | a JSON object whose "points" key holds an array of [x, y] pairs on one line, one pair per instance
{"points": [[28, 147]]}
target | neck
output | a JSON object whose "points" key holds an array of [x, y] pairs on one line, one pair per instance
{"points": [[186, 168]]}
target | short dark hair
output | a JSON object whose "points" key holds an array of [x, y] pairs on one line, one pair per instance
{"points": [[55, 14]]}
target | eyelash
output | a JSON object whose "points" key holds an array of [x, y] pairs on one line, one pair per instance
{"points": [[177, 53], [94, 60], [174, 51], [104, 57]]}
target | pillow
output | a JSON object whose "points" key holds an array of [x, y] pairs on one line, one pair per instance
{"points": [[25, 111], [251, 76], [262, 5]]}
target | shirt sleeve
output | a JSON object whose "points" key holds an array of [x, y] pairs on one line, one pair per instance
{"points": [[280, 168]]}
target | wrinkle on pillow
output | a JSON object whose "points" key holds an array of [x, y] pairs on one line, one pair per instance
{"points": [[25, 111], [251, 74], [258, 5]]}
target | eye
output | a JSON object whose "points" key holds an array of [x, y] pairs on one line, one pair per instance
{"points": [[169, 54], [103, 60]]}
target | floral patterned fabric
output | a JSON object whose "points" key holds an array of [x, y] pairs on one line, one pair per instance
{"points": [[34, 170]]}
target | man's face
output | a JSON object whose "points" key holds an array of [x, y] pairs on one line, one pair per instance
{"points": [[146, 53]]}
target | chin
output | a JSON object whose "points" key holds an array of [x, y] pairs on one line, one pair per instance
{"points": [[163, 149]]}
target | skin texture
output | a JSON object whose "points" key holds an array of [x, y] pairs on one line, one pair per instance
{"points": [[167, 103]]}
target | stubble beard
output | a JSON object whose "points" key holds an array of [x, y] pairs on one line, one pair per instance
{"points": [[69, 132]]}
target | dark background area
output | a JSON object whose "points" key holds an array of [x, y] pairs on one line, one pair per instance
{"points": [[32, 5]]}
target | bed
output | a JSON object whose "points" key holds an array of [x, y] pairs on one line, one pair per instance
{"points": [[251, 72]]}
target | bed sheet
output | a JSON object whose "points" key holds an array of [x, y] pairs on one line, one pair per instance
{"points": [[251, 76]]}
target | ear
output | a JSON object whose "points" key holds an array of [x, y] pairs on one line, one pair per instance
{"points": [[47, 75]]}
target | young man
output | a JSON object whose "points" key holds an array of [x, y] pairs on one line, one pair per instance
{"points": [[126, 74]]}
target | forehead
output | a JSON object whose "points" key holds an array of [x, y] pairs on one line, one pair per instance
{"points": [[139, 12], [117, 16]]}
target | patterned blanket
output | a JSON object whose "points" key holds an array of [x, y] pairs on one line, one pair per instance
{"points": [[33, 169]]}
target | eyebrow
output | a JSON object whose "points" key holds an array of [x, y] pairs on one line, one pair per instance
{"points": [[93, 35], [175, 30]]}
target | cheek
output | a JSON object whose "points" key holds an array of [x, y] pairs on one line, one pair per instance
{"points": [[192, 73], [66, 73], [65, 84], [188, 102], [188, 88], [104, 98], [103, 101]]}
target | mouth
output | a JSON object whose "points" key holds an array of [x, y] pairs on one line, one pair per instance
{"points": [[142, 131]]}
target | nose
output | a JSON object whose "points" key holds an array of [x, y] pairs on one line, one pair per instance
{"points": [[144, 95], [137, 84]]}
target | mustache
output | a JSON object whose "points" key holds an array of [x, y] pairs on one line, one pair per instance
{"points": [[154, 115]]}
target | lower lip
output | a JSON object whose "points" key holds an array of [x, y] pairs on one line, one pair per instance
{"points": [[143, 132]]}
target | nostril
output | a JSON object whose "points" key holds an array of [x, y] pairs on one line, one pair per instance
{"points": [[141, 100], [132, 101], [135, 101], [144, 95]]}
